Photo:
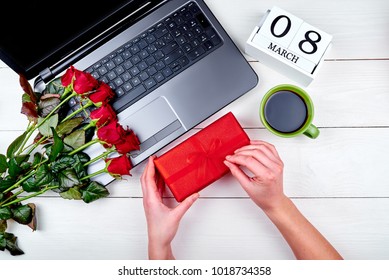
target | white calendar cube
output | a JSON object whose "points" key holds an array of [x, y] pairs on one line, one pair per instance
{"points": [[289, 45]]}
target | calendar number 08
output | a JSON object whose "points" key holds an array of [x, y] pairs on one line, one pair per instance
{"points": [[302, 44]]}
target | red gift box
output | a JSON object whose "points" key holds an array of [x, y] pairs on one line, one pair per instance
{"points": [[198, 161]]}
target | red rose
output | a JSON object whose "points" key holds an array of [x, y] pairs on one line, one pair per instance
{"points": [[103, 94], [130, 143], [67, 78], [84, 82], [112, 133], [103, 115], [119, 166]]}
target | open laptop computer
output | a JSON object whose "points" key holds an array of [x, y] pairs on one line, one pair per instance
{"points": [[170, 62]]}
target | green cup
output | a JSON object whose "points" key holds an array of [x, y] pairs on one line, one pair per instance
{"points": [[287, 111]]}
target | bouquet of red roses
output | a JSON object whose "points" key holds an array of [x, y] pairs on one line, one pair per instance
{"points": [[49, 155]]}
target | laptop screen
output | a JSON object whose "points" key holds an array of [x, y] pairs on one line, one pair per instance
{"points": [[36, 34]]}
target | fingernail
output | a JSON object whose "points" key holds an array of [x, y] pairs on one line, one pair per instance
{"points": [[228, 157]]}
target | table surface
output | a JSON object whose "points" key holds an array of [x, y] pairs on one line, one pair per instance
{"points": [[339, 181]]}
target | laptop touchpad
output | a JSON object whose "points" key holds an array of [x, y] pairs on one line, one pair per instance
{"points": [[152, 122]]}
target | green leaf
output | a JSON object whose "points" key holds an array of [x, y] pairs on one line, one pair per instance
{"points": [[47, 105], [14, 169], [38, 157], [76, 139], [3, 163], [5, 213], [68, 178], [82, 157], [15, 145], [68, 126], [23, 214], [45, 127], [93, 192], [3, 225], [11, 244], [41, 178], [57, 146], [55, 86], [30, 186], [6, 183], [80, 169], [3, 241], [63, 162], [72, 193]]}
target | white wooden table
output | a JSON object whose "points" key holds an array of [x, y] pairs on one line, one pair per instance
{"points": [[340, 181]]}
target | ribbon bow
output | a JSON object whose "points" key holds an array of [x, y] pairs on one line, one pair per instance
{"points": [[207, 159]]}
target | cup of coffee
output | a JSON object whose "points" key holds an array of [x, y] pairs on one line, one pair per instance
{"points": [[287, 111]]}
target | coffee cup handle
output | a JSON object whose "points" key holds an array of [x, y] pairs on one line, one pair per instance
{"points": [[312, 131]]}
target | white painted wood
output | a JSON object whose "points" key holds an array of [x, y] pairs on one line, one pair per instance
{"points": [[346, 162], [115, 228]]}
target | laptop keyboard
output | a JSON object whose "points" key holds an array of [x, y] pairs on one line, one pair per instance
{"points": [[156, 55]]}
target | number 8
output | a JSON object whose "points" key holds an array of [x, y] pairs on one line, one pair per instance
{"points": [[312, 42], [301, 44]]}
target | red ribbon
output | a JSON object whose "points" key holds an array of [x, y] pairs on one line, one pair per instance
{"points": [[207, 160]]}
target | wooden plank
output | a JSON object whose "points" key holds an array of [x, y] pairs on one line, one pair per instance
{"points": [[345, 94], [358, 27], [115, 228], [339, 163]]}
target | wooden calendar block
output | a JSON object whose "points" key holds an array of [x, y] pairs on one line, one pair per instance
{"points": [[310, 42], [289, 45], [280, 26]]}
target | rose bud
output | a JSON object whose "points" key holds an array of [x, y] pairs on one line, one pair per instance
{"points": [[102, 95], [84, 82], [118, 166], [67, 78], [111, 134], [130, 143], [103, 115]]}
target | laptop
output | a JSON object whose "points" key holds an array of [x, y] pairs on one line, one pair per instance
{"points": [[170, 62]]}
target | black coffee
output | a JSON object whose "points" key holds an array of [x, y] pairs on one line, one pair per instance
{"points": [[285, 111]]}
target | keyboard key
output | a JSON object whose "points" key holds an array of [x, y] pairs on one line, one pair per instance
{"points": [[134, 71], [119, 70], [126, 76], [111, 75], [196, 53], [151, 71], [128, 64], [144, 76], [118, 82], [142, 66], [127, 87], [150, 83], [136, 81], [169, 48], [125, 100], [159, 65], [173, 56], [167, 72], [159, 77]]}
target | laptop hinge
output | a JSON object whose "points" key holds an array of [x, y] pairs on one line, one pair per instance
{"points": [[46, 74]]}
